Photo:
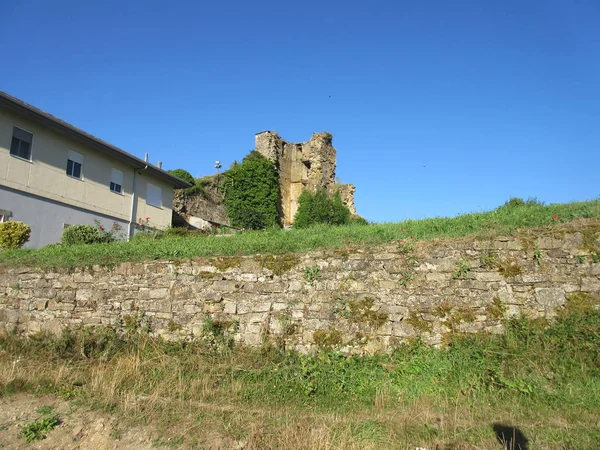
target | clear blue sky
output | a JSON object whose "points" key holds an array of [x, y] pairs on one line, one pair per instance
{"points": [[437, 107]]}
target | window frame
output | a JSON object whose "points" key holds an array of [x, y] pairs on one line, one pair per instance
{"points": [[12, 136], [69, 160]]}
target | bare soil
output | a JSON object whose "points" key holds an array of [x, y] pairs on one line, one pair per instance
{"points": [[80, 428]]}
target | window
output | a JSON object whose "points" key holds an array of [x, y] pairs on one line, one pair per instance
{"points": [[116, 181], [4, 215], [153, 195], [74, 164], [20, 145]]}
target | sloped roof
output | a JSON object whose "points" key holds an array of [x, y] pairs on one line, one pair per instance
{"points": [[14, 104]]}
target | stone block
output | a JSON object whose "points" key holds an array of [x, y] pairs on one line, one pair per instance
{"points": [[229, 308], [550, 297]]}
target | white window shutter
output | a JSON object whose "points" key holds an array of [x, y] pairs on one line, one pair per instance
{"points": [[76, 157]]}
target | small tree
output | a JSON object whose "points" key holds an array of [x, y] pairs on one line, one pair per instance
{"points": [[251, 193], [183, 174], [320, 208], [13, 234]]}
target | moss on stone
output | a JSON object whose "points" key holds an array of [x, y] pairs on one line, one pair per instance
{"points": [[509, 268], [279, 264], [418, 323], [328, 339], [496, 310], [359, 311], [224, 263], [591, 242], [206, 275], [444, 309], [579, 303]]}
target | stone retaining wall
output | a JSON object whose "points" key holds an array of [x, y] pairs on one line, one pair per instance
{"points": [[357, 299]]}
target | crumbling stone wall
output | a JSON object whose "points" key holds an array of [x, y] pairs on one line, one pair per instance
{"points": [[355, 299], [309, 165]]}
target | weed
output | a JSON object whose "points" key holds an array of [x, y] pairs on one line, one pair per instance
{"points": [[406, 277], [496, 310], [406, 247], [509, 268], [218, 335], [15, 288], [489, 260], [312, 273], [116, 434], [581, 259], [341, 308], [537, 256], [38, 429], [44, 410], [461, 269]]}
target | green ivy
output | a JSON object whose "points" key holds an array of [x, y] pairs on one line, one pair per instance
{"points": [[251, 192], [320, 208]]}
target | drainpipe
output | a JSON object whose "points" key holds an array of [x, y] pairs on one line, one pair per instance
{"points": [[134, 200]]}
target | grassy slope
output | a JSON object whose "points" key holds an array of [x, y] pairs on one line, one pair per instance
{"points": [[545, 381], [499, 221]]}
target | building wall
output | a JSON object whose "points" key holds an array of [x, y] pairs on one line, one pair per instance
{"points": [[47, 218], [45, 176], [362, 299]]}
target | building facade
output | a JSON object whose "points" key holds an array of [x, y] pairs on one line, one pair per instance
{"points": [[53, 175]]}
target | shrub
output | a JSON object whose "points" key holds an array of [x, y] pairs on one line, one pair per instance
{"points": [[82, 234], [320, 208], [183, 174], [517, 202], [251, 192], [13, 234]]}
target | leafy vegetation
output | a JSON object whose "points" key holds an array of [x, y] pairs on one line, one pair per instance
{"points": [[182, 174], [480, 225], [543, 379], [319, 208], [38, 429], [13, 234], [251, 192], [81, 234]]}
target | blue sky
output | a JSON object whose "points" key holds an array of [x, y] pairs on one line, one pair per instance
{"points": [[437, 108]]}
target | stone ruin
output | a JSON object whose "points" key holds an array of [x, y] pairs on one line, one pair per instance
{"points": [[308, 165]]}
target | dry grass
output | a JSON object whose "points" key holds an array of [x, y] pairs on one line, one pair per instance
{"points": [[418, 397]]}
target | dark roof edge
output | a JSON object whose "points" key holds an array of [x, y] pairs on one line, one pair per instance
{"points": [[67, 128]]}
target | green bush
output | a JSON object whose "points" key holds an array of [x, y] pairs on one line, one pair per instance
{"points": [[82, 234], [251, 192], [320, 208], [517, 202], [183, 174], [13, 234]]}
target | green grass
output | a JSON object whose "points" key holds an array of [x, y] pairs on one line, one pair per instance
{"points": [[503, 220], [545, 380]]}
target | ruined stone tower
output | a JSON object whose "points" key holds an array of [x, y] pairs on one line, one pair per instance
{"points": [[309, 165]]}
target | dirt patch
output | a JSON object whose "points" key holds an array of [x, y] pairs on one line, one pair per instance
{"points": [[79, 428]]}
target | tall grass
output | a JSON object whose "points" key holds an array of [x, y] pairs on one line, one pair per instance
{"points": [[544, 380], [504, 220]]}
